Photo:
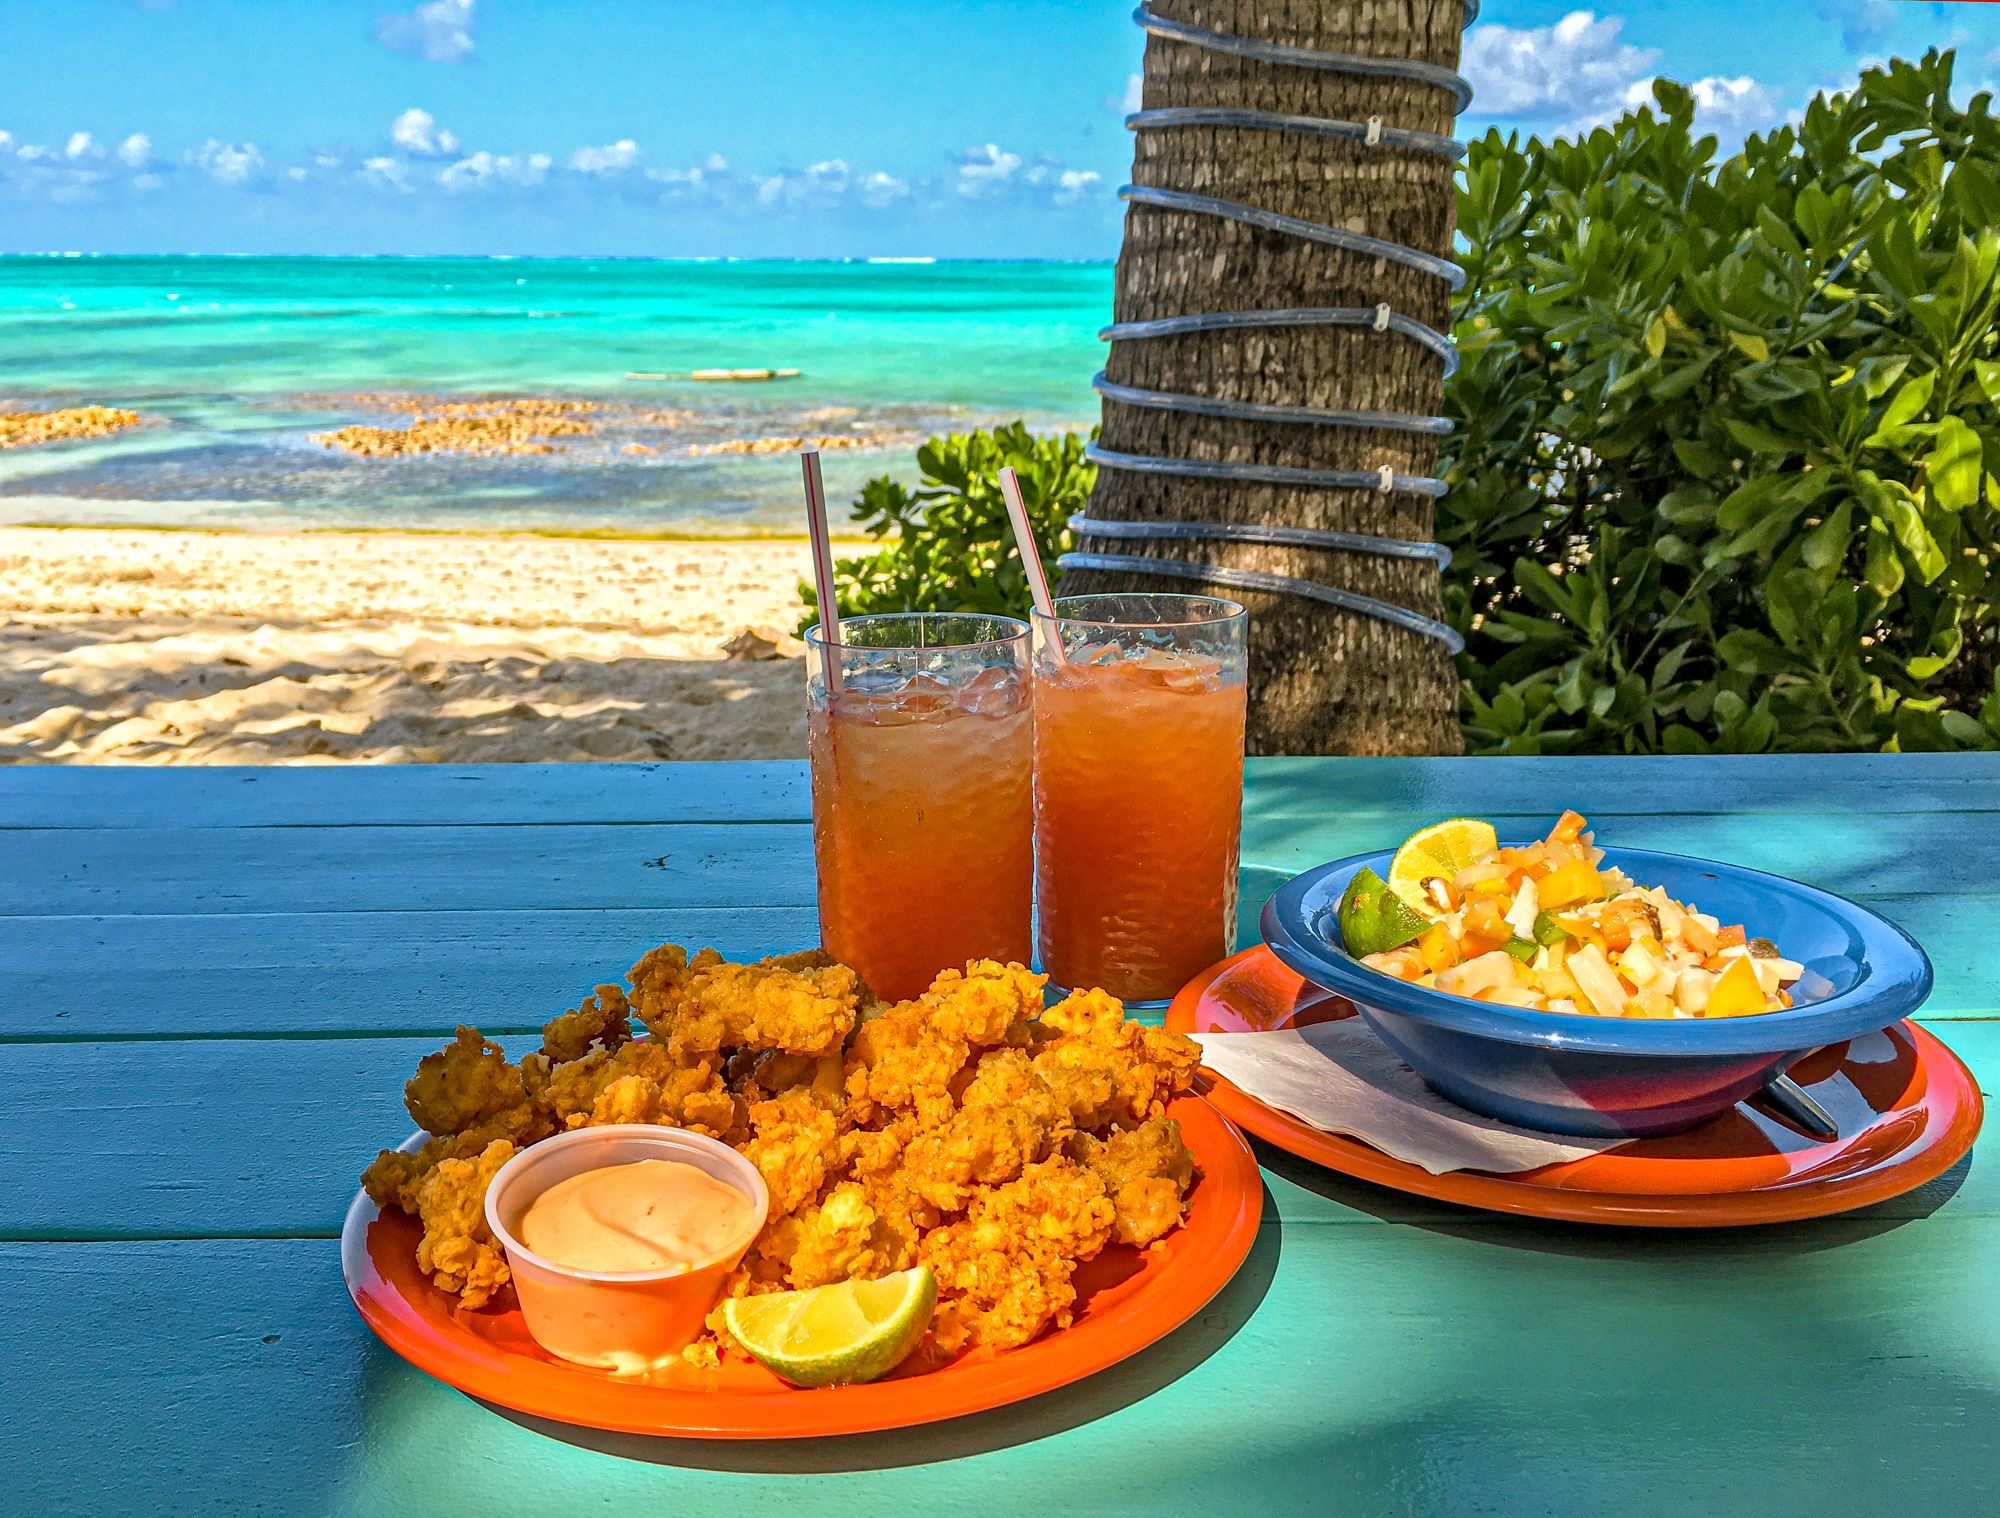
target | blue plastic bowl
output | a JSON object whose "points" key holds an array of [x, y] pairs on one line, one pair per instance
{"points": [[1616, 1077]]}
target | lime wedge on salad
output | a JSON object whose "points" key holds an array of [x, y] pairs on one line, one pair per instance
{"points": [[1372, 919], [1442, 849], [838, 1335]]}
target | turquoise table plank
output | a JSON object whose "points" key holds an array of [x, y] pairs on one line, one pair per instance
{"points": [[79, 796], [266, 1137], [347, 972], [416, 972], [463, 867], [1838, 1369], [402, 795]]}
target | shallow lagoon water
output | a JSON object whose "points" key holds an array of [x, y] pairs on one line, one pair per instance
{"points": [[233, 359]]}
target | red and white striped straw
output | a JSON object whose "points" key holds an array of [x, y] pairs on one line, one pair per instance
{"points": [[1031, 558], [822, 553]]}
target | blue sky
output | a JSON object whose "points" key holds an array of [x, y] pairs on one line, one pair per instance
{"points": [[840, 128]]}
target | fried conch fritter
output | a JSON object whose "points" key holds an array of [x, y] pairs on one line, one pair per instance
{"points": [[969, 1128]]}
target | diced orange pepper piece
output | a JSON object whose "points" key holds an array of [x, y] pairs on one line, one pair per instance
{"points": [[1437, 950], [1568, 884], [1488, 918], [1731, 937], [1568, 828], [1737, 993]]}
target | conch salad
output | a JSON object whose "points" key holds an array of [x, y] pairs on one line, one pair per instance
{"points": [[1547, 927]]}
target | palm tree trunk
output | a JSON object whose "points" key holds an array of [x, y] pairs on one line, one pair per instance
{"points": [[1323, 679]]}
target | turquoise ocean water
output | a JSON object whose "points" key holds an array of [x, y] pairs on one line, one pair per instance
{"points": [[238, 360]]}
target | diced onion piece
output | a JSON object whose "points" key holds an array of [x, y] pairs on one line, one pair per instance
{"points": [[1691, 995], [1594, 978], [1698, 932], [1640, 964], [1490, 970], [1527, 906]]}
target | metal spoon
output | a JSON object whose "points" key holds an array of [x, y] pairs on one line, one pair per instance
{"points": [[1801, 1111]]}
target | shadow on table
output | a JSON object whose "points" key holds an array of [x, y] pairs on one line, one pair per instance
{"points": [[1068, 1407], [1603, 1240]]}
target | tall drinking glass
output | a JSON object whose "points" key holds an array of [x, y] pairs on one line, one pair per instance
{"points": [[921, 735], [1139, 703]]}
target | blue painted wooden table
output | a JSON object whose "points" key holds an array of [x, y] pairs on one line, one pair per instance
{"points": [[213, 982]]}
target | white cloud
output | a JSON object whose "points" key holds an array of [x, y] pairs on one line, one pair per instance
{"points": [[1132, 100], [387, 173], [440, 30], [229, 162], [1578, 66], [613, 158], [422, 159], [984, 169], [1073, 184], [1731, 109], [878, 189], [483, 170], [1734, 108], [417, 132]]}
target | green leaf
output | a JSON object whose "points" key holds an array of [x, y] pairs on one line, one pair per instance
{"points": [[1883, 569], [1892, 505], [1988, 372], [1955, 465], [1909, 402], [1756, 437], [1656, 337], [1826, 545], [1751, 344], [1753, 653]]}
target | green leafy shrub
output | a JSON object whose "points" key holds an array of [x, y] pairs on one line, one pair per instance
{"points": [[948, 545], [1723, 477]]}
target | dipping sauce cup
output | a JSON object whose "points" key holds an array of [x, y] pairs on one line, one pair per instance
{"points": [[624, 1321]]}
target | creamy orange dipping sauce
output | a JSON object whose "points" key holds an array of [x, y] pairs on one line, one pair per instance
{"points": [[646, 1215]]}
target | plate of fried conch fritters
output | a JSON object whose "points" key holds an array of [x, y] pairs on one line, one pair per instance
{"points": [[1002, 1143]]}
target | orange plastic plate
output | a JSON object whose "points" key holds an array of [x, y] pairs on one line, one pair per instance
{"points": [[1907, 1108], [1127, 1299]]}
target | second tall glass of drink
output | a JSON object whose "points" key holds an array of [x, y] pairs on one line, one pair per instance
{"points": [[1139, 710], [923, 804]]}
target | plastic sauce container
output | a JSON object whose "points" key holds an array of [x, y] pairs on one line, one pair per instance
{"points": [[624, 1321]]}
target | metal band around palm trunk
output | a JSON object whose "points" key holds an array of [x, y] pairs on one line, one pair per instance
{"points": [[1257, 579], [1261, 532], [1371, 135]]}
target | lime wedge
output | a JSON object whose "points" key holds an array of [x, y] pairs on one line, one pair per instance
{"points": [[1442, 849], [838, 1335], [1372, 920]]}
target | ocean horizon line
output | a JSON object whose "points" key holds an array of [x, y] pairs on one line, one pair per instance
{"points": [[885, 259]]}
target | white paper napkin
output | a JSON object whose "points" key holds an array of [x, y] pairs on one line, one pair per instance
{"points": [[1341, 1078]]}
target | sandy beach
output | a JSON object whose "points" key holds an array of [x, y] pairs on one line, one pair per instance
{"points": [[131, 646]]}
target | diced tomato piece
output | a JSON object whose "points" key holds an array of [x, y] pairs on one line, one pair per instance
{"points": [[1731, 938], [1568, 828]]}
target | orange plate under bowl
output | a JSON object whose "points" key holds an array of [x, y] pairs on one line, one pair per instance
{"points": [[1730, 1171], [1127, 1299]]}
